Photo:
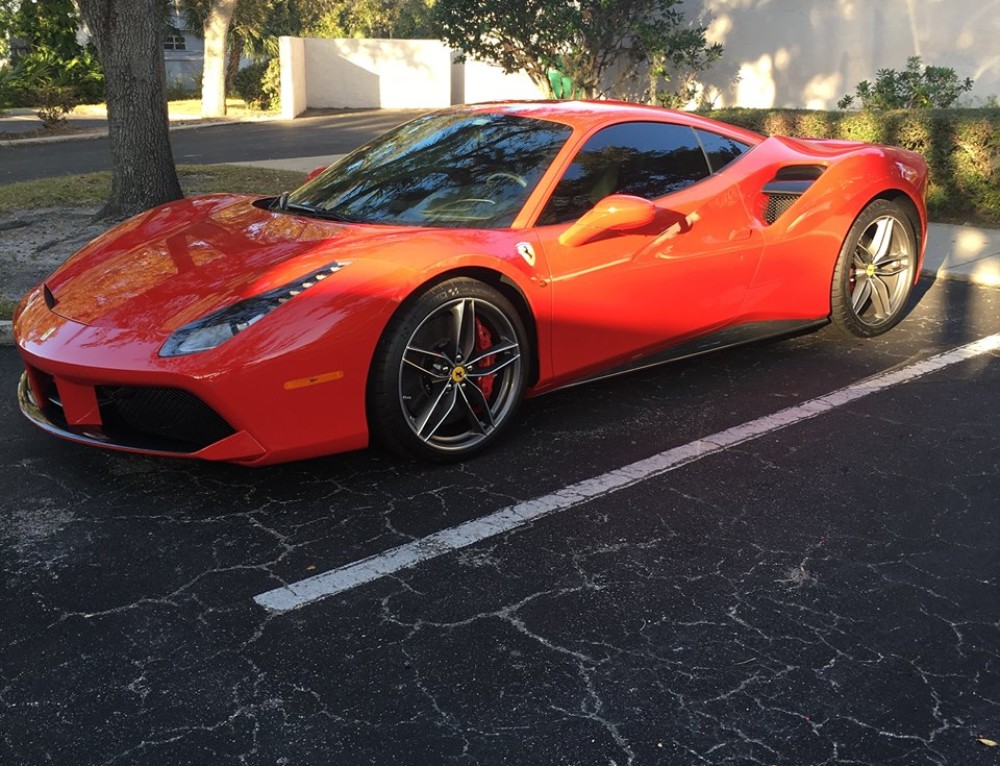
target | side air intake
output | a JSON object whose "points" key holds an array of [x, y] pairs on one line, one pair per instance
{"points": [[788, 185]]}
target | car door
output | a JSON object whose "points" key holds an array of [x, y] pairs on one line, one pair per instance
{"points": [[625, 294]]}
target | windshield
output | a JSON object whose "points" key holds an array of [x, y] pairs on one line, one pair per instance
{"points": [[453, 169]]}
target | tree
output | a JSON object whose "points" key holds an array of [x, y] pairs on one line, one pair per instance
{"points": [[606, 47], [128, 35], [8, 8], [252, 29], [213, 81], [402, 19]]}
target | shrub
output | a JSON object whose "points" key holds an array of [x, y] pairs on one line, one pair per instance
{"points": [[932, 87], [178, 90], [55, 86], [54, 102], [271, 83], [259, 84], [961, 146], [8, 87]]}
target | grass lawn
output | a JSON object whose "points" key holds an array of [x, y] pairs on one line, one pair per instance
{"points": [[7, 308], [91, 189], [185, 109]]}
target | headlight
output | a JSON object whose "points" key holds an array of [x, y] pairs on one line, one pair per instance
{"points": [[218, 327]]}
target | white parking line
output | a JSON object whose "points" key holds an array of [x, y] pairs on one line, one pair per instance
{"points": [[454, 538]]}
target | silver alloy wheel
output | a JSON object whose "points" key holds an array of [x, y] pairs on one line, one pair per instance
{"points": [[881, 271], [460, 374]]}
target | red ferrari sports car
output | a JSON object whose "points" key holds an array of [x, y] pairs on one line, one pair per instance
{"points": [[414, 292]]}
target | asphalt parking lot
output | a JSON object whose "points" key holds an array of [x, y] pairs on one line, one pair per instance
{"points": [[827, 592]]}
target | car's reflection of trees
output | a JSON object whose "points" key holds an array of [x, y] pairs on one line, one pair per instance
{"points": [[439, 166], [176, 241]]}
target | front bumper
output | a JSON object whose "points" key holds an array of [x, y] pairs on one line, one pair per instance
{"points": [[264, 397], [108, 427]]}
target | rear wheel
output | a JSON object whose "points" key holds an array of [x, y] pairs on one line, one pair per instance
{"points": [[449, 372], [875, 271]]}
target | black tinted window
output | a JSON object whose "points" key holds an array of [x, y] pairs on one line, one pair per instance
{"points": [[647, 159], [453, 169], [720, 149]]}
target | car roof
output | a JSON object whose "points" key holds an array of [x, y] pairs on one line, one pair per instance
{"points": [[592, 114]]}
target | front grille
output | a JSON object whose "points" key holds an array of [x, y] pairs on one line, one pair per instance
{"points": [[162, 418], [777, 204]]}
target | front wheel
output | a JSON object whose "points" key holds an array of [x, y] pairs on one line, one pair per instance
{"points": [[875, 271], [449, 372]]}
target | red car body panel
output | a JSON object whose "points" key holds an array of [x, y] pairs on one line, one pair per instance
{"points": [[294, 385]]}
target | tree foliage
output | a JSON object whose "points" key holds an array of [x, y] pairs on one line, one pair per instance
{"points": [[51, 25], [606, 47], [394, 19], [50, 69], [914, 88]]}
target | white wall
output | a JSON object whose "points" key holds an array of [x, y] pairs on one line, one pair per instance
{"points": [[291, 52], [486, 82], [388, 74], [810, 53]]}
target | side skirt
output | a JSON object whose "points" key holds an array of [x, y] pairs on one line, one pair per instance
{"points": [[727, 338]]}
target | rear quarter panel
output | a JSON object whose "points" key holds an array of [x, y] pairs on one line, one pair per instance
{"points": [[795, 274]]}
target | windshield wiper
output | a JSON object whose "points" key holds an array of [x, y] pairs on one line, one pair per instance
{"points": [[331, 215], [282, 204]]}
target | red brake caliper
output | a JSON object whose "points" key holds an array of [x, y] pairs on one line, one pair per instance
{"points": [[483, 341]]}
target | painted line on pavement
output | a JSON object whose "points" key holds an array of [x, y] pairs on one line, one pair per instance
{"points": [[507, 519]]}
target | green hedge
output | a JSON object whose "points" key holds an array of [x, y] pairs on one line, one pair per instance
{"points": [[961, 146]]}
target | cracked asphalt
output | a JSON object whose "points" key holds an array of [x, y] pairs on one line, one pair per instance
{"points": [[826, 594]]}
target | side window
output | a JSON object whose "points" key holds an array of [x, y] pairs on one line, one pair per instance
{"points": [[647, 159], [720, 150]]}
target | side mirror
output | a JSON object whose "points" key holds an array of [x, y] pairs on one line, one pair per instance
{"points": [[614, 213], [315, 172]]}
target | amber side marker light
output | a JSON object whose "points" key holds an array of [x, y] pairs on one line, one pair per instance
{"points": [[314, 380]]}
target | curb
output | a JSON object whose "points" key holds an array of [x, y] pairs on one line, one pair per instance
{"points": [[7, 335]]}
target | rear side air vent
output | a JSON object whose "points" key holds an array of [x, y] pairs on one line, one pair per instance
{"points": [[788, 185]]}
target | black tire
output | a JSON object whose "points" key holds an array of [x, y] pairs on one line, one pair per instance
{"points": [[434, 391], [875, 271]]}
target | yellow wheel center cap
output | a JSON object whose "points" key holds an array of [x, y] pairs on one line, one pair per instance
{"points": [[458, 374], [870, 269]]}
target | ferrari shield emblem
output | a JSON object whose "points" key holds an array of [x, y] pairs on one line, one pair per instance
{"points": [[527, 252]]}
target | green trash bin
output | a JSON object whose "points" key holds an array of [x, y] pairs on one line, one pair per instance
{"points": [[562, 86]]}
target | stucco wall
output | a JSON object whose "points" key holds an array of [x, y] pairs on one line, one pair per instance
{"points": [[291, 52], [810, 53], [391, 74], [388, 74], [485, 82]]}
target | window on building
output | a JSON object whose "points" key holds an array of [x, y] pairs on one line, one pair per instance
{"points": [[175, 43]]}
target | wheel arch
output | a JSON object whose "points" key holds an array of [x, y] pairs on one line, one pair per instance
{"points": [[494, 278], [905, 201], [912, 210]]}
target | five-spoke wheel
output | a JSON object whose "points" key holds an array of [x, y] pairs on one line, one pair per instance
{"points": [[875, 270], [449, 373]]}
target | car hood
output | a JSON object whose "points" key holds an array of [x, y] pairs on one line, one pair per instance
{"points": [[178, 262]]}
